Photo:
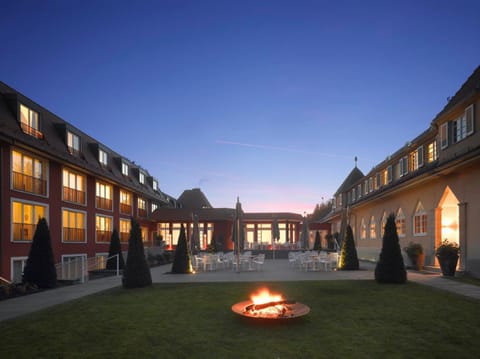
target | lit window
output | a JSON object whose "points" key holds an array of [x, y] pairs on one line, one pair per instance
{"points": [[73, 142], [29, 122], [420, 221], [103, 196], [28, 174], [25, 217], [124, 230], [400, 222], [73, 186], [432, 151], [142, 207], [373, 228], [102, 157], [103, 227], [363, 230], [125, 202], [384, 222], [124, 169], [73, 226]]}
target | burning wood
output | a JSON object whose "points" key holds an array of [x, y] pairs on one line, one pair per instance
{"points": [[253, 307]]}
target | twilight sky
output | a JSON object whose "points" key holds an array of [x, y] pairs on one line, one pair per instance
{"points": [[268, 100]]}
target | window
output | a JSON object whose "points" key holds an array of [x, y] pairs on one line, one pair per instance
{"points": [[416, 159], [373, 228], [389, 174], [104, 196], [103, 227], [359, 191], [365, 190], [363, 230], [73, 142], [29, 174], [444, 135], [73, 225], [141, 177], [74, 266], [354, 194], [155, 185], [154, 207], [400, 222], [73, 187], [124, 230], [432, 151], [125, 171], [125, 202], [403, 166], [29, 121], [142, 207], [370, 184], [25, 216], [378, 181], [18, 264], [420, 221], [384, 222], [102, 157], [469, 118]]}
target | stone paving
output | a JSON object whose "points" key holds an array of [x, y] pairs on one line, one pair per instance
{"points": [[273, 270]]}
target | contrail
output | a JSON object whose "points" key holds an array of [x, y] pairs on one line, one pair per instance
{"points": [[276, 148]]}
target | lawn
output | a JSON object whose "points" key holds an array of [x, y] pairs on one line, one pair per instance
{"points": [[348, 319]]}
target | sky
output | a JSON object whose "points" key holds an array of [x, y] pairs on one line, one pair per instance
{"points": [[266, 100]]}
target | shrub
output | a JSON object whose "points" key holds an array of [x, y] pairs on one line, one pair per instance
{"points": [[181, 262], [390, 267], [115, 248], [137, 273], [348, 256], [40, 267], [317, 246]]}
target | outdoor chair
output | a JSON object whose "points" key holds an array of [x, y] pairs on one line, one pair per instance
{"points": [[258, 261]]}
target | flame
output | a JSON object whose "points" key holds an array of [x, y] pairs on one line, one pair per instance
{"points": [[264, 296]]}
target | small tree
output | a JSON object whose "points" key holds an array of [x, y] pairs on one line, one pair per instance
{"points": [[348, 255], [182, 262], [40, 267], [317, 246], [390, 267], [137, 273], [115, 248]]}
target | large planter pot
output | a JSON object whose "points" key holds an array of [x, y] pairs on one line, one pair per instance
{"points": [[418, 261], [448, 265]]}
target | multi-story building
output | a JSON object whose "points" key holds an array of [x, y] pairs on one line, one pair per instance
{"points": [[431, 184], [51, 169]]}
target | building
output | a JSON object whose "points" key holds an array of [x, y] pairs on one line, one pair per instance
{"points": [[430, 184], [52, 169]]}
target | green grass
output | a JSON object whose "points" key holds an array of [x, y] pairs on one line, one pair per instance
{"points": [[348, 319]]}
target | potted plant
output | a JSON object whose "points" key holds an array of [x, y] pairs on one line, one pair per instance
{"points": [[447, 254], [415, 254]]}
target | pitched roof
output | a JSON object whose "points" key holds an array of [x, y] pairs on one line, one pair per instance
{"points": [[193, 199], [353, 177]]}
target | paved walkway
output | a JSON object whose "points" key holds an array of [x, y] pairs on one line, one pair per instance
{"points": [[277, 270]]}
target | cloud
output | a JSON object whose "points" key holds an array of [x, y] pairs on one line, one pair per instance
{"points": [[277, 148]]}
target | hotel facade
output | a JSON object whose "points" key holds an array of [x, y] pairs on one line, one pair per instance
{"points": [[431, 185]]}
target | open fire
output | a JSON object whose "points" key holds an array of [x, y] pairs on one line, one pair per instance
{"points": [[266, 305]]}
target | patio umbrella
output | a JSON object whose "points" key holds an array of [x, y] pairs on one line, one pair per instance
{"points": [[195, 237], [237, 232], [275, 235], [304, 237]]}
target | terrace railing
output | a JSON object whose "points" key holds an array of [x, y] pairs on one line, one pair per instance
{"points": [[77, 269]]}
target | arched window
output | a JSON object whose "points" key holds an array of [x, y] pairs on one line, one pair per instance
{"points": [[384, 221], [420, 221], [400, 222], [363, 229], [373, 228]]}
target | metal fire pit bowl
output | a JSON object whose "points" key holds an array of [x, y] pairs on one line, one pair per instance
{"points": [[285, 309]]}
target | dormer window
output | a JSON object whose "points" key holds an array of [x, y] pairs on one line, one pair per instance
{"points": [[73, 142], [102, 157], [155, 185], [29, 121], [125, 169], [141, 177]]}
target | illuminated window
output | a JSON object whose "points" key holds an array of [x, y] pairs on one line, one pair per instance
{"points": [[363, 230], [124, 230], [432, 151], [400, 222], [73, 186], [73, 142], [125, 202], [125, 171], [103, 226], [30, 122], [73, 226], [420, 221], [104, 196], [142, 207], [25, 216], [384, 222], [102, 157], [29, 174], [373, 228], [416, 159]]}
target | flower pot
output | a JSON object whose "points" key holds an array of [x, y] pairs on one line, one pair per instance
{"points": [[419, 262], [448, 265]]}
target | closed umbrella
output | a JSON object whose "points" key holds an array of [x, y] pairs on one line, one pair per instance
{"points": [[195, 237], [304, 237], [275, 235], [238, 235]]}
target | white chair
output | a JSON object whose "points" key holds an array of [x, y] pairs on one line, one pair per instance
{"points": [[323, 261], [258, 261]]}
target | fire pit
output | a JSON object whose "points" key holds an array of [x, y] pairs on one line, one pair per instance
{"points": [[265, 305]]}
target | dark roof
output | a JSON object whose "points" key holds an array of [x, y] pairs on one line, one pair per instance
{"points": [[54, 146], [268, 216], [468, 89], [186, 214], [193, 199], [353, 177]]}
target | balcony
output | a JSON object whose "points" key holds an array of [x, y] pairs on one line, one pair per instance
{"points": [[73, 234], [23, 231], [124, 237], [142, 212], [125, 208], [26, 183], [104, 203], [103, 236], [32, 131], [73, 195]]}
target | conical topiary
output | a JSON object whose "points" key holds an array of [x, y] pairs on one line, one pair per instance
{"points": [[348, 256], [137, 273], [115, 248], [390, 267], [40, 267], [317, 246], [181, 262]]}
